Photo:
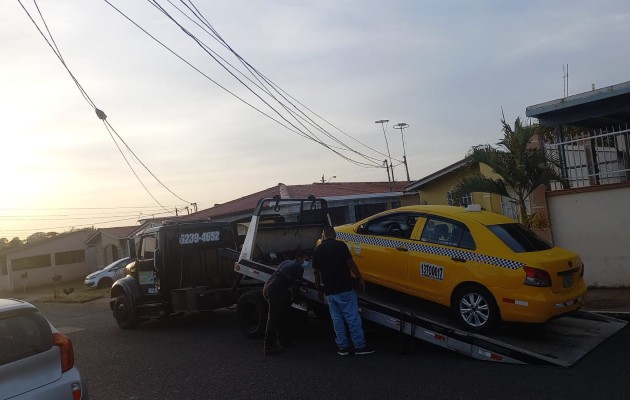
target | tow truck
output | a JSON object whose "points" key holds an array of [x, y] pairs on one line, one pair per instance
{"points": [[279, 227]]}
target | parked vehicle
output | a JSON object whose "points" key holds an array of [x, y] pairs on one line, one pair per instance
{"points": [[178, 267], [485, 266], [36, 360], [105, 277], [279, 227]]}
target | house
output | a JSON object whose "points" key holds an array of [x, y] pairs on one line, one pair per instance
{"points": [[347, 201], [589, 213], [43, 262], [437, 188], [108, 245]]}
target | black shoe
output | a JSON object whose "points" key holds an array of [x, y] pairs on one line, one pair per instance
{"points": [[345, 352], [364, 351]]}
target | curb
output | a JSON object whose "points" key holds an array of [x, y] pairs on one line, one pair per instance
{"points": [[624, 315]]}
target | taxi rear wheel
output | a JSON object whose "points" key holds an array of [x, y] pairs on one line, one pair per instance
{"points": [[475, 308]]}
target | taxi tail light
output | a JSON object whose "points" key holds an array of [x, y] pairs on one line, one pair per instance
{"points": [[536, 277], [67, 352]]}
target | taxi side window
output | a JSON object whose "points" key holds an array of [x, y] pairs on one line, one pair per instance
{"points": [[447, 233], [393, 225]]}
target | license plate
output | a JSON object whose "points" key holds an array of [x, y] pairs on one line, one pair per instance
{"points": [[568, 280]]}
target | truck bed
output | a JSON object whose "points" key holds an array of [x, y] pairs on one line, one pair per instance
{"points": [[560, 342]]}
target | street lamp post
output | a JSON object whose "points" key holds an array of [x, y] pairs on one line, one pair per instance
{"points": [[391, 166], [402, 126]]}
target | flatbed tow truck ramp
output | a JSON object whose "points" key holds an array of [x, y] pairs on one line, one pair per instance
{"points": [[279, 226], [560, 342]]}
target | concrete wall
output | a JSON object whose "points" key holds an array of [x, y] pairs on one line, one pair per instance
{"points": [[595, 224], [43, 276]]}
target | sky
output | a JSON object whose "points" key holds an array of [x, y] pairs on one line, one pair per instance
{"points": [[448, 69]]}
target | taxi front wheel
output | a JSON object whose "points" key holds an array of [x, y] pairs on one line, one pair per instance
{"points": [[475, 308]]}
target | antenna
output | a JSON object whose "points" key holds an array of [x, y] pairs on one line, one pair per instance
{"points": [[565, 79]]}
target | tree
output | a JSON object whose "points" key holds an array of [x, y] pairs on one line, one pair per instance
{"points": [[521, 166], [15, 242]]}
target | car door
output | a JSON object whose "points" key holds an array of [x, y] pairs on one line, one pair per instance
{"points": [[443, 250], [145, 265], [380, 249]]}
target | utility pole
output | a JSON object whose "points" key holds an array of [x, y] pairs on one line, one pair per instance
{"points": [[402, 126], [383, 122], [388, 178]]}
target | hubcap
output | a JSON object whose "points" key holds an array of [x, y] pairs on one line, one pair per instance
{"points": [[474, 309], [122, 312]]}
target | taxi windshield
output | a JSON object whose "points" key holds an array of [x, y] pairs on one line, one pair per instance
{"points": [[519, 238]]}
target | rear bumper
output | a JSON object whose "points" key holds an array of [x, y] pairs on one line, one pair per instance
{"points": [[538, 305]]}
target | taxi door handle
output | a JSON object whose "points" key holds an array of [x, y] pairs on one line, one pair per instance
{"points": [[457, 259], [402, 249]]}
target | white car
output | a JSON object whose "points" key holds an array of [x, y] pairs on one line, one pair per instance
{"points": [[105, 277], [36, 360]]}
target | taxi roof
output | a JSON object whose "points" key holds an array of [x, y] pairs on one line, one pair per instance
{"points": [[461, 213]]}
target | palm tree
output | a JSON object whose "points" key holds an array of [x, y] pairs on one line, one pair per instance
{"points": [[520, 165]]}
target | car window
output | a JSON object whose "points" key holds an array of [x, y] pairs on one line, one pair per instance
{"points": [[519, 238], [148, 246], [23, 335], [448, 233], [120, 264], [393, 225]]}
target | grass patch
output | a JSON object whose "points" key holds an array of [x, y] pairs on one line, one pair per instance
{"points": [[78, 296], [65, 292]]}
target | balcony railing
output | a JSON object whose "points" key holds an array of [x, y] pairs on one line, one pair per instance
{"points": [[592, 158]]}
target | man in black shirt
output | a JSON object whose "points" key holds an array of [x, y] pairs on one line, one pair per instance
{"points": [[278, 291], [332, 263]]}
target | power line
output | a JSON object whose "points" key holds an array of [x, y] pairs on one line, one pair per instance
{"points": [[99, 113], [292, 127]]}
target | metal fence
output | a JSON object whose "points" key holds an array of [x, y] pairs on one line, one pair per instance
{"points": [[592, 158]]}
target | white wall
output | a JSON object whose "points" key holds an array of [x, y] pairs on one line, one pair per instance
{"points": [[596, 225], [43, 276]]}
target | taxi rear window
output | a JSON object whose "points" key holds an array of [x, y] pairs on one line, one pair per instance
{"points": [[519, 238]]}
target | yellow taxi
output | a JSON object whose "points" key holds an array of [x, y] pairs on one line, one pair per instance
{"points": [[485, 266]]}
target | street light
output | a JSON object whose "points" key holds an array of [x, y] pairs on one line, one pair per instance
{"points": [[402, 126], [383, 122]]}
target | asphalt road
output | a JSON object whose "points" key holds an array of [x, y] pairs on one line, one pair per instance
{"points": [[204, 356]]}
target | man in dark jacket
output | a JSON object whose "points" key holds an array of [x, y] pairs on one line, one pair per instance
{"points": [[278, 291], [332, 264]]}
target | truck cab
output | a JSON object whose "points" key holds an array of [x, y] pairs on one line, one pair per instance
{"points": [[177, 267]]}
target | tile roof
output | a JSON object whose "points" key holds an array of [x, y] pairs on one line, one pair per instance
{"points": [[331, 189], [119, 232]]}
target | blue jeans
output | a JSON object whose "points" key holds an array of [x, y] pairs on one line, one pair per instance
{"points": [[344, 308]]}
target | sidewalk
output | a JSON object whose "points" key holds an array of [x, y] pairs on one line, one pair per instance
{"points": [[611, 302]]}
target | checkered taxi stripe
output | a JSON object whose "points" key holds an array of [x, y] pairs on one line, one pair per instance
{"points": [[431, 249]]}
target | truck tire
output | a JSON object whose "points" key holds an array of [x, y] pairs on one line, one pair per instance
{"points": [[475, 308], [125, 315], [251, 311]]}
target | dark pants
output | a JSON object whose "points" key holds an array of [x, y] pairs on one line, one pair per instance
{"points": [[275, 333]]}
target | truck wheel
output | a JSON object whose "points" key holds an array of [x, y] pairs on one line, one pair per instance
{"points": [[475, 308], [124, 313], [251, 311]]}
